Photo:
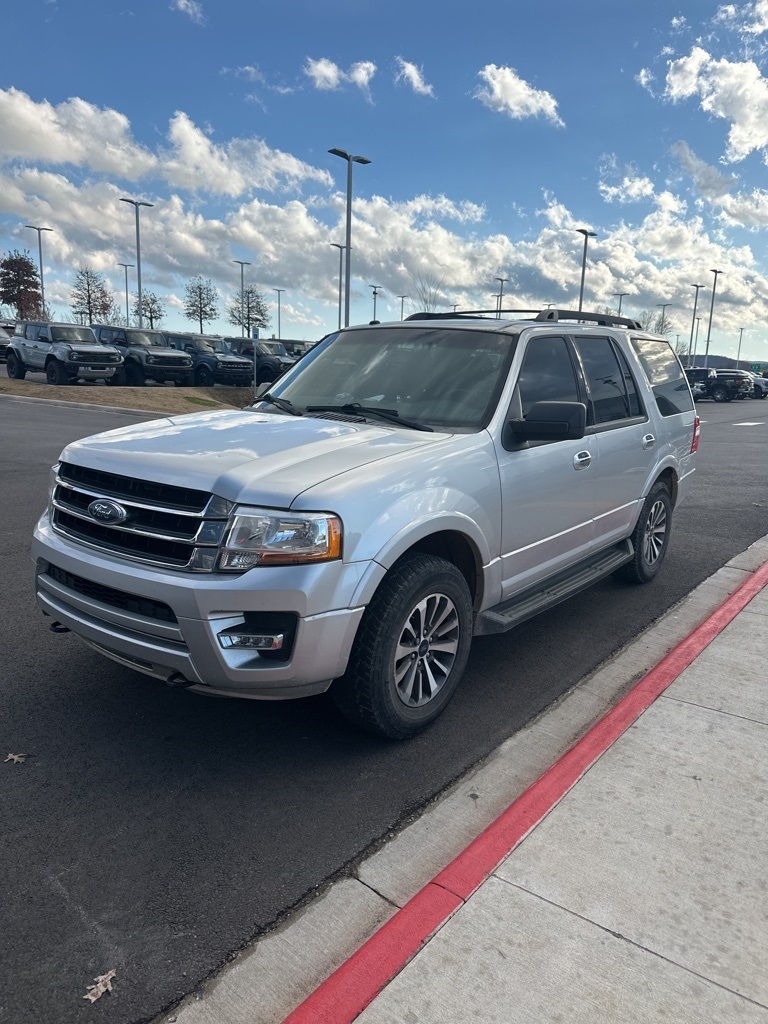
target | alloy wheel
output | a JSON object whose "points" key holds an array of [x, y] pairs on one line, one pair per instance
{"points": [[655, 533], [426, 650]]}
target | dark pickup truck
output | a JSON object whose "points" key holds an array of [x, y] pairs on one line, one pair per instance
{"points": [[720, 385]]}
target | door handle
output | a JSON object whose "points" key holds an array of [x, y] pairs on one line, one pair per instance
{"points": [[649, 441], [581, 460]]}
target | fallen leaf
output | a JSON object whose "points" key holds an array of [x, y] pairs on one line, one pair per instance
{"points": [[103, 984], [17, 758]]}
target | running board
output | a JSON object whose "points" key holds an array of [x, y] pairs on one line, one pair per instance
{"points": [[559, 588]]}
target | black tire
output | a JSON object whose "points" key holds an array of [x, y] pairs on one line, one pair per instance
{"points": [[388, 693], [56, 373], [650, 538], [266, 376], [134, 375], [117, 380], [720, 394], [204, 377], [15, 368]]}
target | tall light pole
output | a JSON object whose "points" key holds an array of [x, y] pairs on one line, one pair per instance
{"points": [[127, 314], [136, 203], [587, 236], [738, 350], [694, 317], [347, 276], [711, 310], [341, 248], [376, 289], [501, 281], [402, 304], [696, 338], [620, 296], [40, 231], [243, 263], [663, 321], [279, 293]]}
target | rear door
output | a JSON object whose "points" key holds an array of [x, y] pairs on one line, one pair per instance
{"points": [[39, 345]]}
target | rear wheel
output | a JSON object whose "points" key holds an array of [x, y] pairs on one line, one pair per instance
{"points": [[650, 538], [720, 394], [410, 650], [55, 373], [15, 367], [134, 375]]}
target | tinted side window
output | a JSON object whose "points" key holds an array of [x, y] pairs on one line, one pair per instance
{"points": [[609, 399], [547, 374], [31, 332], [665, 375]]}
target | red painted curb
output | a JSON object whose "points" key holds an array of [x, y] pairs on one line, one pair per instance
{"points": [[353, 985]]}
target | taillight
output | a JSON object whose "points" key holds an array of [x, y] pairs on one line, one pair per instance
{"points": [[696, 435]]}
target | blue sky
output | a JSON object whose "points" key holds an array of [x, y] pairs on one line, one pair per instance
{"points": [[494, 132]]}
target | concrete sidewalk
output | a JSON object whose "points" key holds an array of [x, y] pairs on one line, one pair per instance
{"points": [[643, 894]]}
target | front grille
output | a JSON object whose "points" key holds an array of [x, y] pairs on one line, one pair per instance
{"points": [[145, 606], [179, 364], [175, 527]]}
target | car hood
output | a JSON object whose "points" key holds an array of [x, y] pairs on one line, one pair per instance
{"points": [[231, 358], [245, 456], [94, 350]]}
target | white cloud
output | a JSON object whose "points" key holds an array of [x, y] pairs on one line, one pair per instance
{"points": [[734, 91], [100, 140], [507, 93], [191, 8], [678, 23], [360, 74], [749, 20], [645, 78], [708, 180], [631, 189], [414, 76], [324, 73]]}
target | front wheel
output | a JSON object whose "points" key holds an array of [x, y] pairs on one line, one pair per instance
{"points": [[204, 377], [55, 373], [134, 375], [15, 367], [650, 538], [410, 650], [720, 394]]}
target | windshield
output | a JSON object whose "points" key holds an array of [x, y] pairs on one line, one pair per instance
{"points": [[73, 334], [211, 345], [449, 379], [273, 348], [149, 339]]}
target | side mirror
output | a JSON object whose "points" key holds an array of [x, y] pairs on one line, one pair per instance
{"points": [[550, 421]]}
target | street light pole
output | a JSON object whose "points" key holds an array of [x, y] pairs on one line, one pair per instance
{"points": [[663, 322], [40, 251], [501, 281], [402, 304], [376, 289], [738, 350], [694, 318], [336, 245], [711, 310], [696, 338], [587, 236], [620, 296], [243, 263], [136, 203], [279, 293], [347, 277], [127, 314]]}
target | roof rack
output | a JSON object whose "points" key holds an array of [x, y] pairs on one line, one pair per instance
{"points": [[541, 316]]}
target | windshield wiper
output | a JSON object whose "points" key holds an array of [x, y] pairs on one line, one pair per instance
{"points": [[282, 403], [356, 409]]}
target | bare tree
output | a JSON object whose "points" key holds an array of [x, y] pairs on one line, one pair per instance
{"points": [[20, 285], [90, 299], [252, 313], [426, 289], [200, 302], [152, 309], [654, 323]]}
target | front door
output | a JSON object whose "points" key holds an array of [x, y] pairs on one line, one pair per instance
{"points": [[547, 487]]}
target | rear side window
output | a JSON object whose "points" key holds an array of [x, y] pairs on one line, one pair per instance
{"points": [[547, 374], [612, 391], [665, 375]]}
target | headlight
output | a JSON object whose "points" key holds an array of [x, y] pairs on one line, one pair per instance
{"points": [[72, 356], [262, 536], [151, 359]]}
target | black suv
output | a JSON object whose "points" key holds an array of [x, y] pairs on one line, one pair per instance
{"points": [[147, 356], [212, 360], [720, 385], [270, 357]]}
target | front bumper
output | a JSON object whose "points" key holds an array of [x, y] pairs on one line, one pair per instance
{"points": [[234, 379], [204, 605], [92, 372], [163, 374]]}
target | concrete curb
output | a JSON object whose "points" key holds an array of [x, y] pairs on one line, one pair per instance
{"points": [[58, 404], [267, 981]]}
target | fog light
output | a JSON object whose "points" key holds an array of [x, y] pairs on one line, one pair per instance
{"points": [[251, 641]]}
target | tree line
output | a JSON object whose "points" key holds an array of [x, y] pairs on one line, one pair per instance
{"points": [[91, 299]]}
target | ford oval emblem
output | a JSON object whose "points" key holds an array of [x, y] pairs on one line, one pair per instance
{"points": [[107, 512]]}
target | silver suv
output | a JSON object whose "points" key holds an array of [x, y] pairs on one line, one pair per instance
{"points": [[402, 488], [65, 353]]}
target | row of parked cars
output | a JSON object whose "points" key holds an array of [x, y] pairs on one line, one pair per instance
{"points": [[725, 385], [129, 356]]}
